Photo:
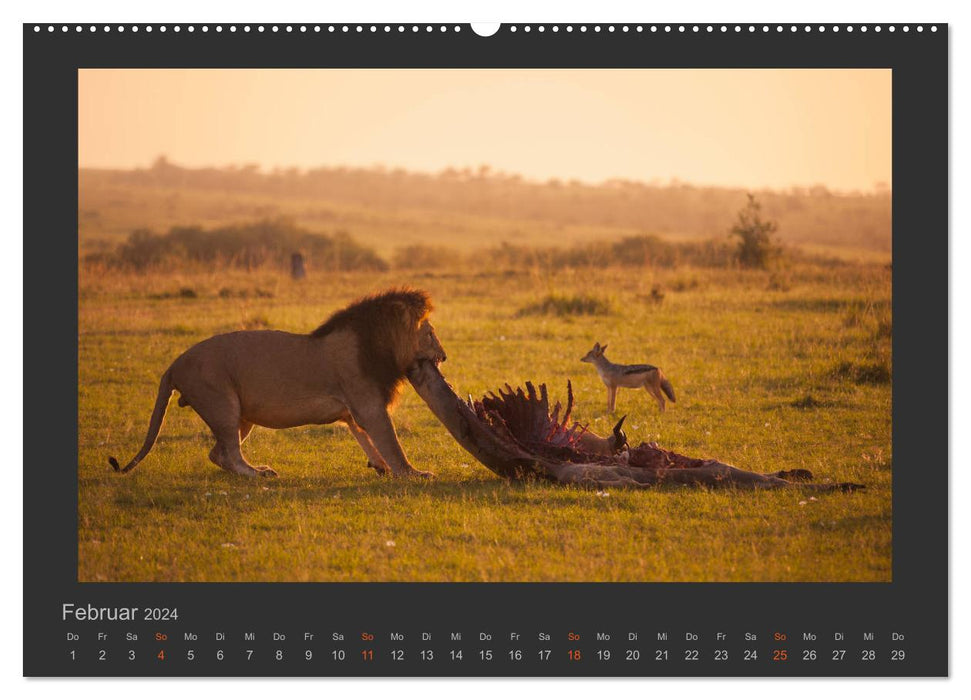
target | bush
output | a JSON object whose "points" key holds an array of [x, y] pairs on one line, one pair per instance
{"points": [[864, 373], [183, 293], [575, 305], [247, 246], [632, 251], [755, 246], [806, 402]]}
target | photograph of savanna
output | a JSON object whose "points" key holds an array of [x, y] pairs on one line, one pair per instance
{"points": [[484, 325]]}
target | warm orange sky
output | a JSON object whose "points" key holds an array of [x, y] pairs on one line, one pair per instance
{"points": [[748, 128]]}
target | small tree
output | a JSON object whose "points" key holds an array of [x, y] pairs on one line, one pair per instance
{"points": [[755, 246]]}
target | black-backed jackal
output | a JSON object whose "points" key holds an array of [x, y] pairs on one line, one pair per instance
{"points": [[630, 376]]}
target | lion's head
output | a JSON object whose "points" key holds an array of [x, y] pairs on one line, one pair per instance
{"points": [[429, 346], [393, 332]]}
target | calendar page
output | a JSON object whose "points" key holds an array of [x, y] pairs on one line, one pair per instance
{"points": [[468, 350]]}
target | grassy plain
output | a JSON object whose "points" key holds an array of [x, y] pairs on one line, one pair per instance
{"points": [[773, 370]]}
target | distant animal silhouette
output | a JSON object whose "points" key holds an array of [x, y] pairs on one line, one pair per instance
{"points": [[297, 269]]}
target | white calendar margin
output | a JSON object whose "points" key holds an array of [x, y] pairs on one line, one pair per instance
{"points": [[11, 354]]}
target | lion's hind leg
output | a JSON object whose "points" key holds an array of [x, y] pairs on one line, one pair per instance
{"points": [[226, 454], [245, 428], [221, 413]]}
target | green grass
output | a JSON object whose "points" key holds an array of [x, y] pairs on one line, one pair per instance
{"points": [[564, 305], [767, 378]]}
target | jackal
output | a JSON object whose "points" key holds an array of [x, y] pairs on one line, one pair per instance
{"points": [[631, 376]]}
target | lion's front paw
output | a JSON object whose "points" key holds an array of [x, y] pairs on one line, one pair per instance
{"points": [[266, 471]]}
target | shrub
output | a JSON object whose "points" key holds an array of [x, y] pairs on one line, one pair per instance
{"points": [[755, 246], [247, 246], [183, 293], [681, 284], [806, 402], [575, 305], [632, 251], [229, 293], [863, 373]]}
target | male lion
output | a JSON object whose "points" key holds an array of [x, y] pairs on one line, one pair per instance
{"points": [[350, 369]]}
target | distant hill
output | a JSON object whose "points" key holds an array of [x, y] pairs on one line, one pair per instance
{"points": [[465, 209]]}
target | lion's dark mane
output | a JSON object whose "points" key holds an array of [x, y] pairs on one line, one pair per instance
{"points": [[385, 325]]}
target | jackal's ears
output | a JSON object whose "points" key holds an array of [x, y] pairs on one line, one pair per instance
{"points": [[604, 347]]}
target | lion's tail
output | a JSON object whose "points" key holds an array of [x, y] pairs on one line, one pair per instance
{"points": [[165, 389], [666, 387]]}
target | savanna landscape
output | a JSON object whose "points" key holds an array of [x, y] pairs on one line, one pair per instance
{"points": [[778, 363]]}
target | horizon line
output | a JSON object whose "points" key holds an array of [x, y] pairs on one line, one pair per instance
{"points": [[487, 171]]}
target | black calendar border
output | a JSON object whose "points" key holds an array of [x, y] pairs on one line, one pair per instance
{"points": [[917, 598]]}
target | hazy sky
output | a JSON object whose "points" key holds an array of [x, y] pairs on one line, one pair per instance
{"points": [[749, 128]]}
